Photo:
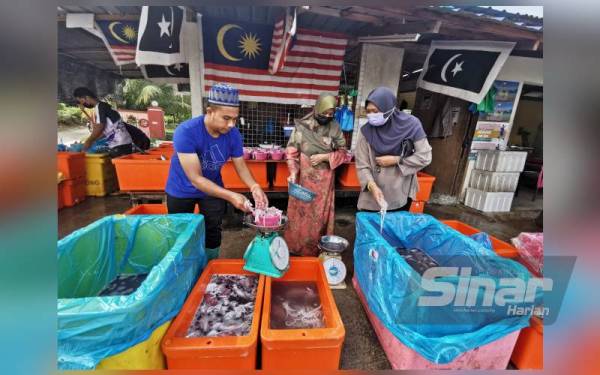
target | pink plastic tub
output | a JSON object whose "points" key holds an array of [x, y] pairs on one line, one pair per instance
{"points": [[494, 355], [247, 153], [260, 155], [277, 154]]}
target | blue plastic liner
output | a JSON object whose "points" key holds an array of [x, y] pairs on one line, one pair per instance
{"points": [[170, 248], [393, 288]]}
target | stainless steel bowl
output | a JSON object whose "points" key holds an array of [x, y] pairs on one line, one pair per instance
{"points": [[333, 244]]}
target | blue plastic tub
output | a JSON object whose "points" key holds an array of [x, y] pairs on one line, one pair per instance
{"points": [[169, 248]]}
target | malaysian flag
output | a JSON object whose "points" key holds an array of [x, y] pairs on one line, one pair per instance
{"points": [[120, 38], [239, 53], [282, 41]]}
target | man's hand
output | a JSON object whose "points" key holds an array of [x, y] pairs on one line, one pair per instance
{"points": [[387, 160], [239, 201], [318, 158], [260, 198]]}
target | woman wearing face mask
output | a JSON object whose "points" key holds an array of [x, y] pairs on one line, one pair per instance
{"points": [[316, 147], [390, 149]]}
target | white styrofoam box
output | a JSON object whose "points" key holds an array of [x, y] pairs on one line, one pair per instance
{"points": [[488, 201], [494, 181], [500, 161]]}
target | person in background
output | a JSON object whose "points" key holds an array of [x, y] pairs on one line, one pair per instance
{"points": [[315, 148], [390, 149], [107, 123], [203, 145]]}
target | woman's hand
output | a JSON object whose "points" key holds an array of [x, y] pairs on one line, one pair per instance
{"points": [[318, 158], [292, 178], [387, 160], [377, 195]]}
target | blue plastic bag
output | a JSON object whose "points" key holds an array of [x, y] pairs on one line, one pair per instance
{"points": [[483, 239], [346, 119], [170, 248], [395, 293]]}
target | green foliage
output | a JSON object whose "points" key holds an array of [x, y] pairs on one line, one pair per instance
{"points": [[138, 94], [70, 115]]}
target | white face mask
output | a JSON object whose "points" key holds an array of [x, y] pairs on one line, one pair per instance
{"points": [[378, 119]]}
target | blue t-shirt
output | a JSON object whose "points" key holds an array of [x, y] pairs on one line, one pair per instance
{"points": [[191, 136]]}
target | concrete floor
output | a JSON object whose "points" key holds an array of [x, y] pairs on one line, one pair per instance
{"points": [[361, 347]]}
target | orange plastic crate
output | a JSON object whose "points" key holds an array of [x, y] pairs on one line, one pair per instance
{"points": [[348, 176], [231, 180], [138, 172], [281, 175], [303, 349], [223, 353], [417, 207], [151, 209], [166, 151], [71, 164], [529, 349], [425, 185], [61, 188], [73, 191], [501, 248]]}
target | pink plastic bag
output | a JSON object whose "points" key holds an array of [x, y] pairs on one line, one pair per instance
{"points": [[531, 249]]}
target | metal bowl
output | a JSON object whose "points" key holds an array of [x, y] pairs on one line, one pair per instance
{"points": [[333, 244], [249, 221]]}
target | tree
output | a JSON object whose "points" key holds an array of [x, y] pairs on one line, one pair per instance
{"points": [[138, 94]]}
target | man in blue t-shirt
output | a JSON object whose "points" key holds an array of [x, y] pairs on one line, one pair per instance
{"points": [[202, 146]]}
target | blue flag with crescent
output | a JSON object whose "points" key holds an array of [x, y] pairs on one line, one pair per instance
{"points": [[120, 38], [235, 43]]}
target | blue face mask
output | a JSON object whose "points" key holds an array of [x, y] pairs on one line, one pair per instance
{"points": [[379, 118]]}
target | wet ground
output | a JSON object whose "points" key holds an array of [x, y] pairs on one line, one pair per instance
{"points": [[361, 348]]}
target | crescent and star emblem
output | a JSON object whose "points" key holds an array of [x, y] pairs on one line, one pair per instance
{"points": [[457, 67]]}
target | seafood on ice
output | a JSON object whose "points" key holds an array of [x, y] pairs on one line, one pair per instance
{"points": [[227, 307]]}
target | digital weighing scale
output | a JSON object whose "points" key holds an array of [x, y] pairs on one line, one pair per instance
{"points": [[331, 255], [268, 253]]}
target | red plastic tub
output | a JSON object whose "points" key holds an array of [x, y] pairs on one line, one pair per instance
{"points": [[494, 355], [231, 180], [425, 185], [529, 350], [417, 207], [348, 176], [504, 249], [151, 209], [281, 175], [71, 164], [213, 353], [308, 348], [138, 172], [73, 191]]}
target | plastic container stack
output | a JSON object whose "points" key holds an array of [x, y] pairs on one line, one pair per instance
{"points": [[494, 181], [72, 189]]}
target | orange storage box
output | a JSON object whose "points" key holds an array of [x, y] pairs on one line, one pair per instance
{"points": [[231, 179], [214, 353], [166, 151], [348, 176], [425, 185], [529, 349], [137, 172], [303, 349], [417, 207], [151, 209], [281, 175], [71, 164], [73, 191], [61, 188], [501, 248]]}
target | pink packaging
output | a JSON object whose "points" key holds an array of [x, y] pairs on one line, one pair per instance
{"points": [[494, 355], [277, 154], [270, 217], [531, 249], [260, 155], [348, 157], [247, 153]]}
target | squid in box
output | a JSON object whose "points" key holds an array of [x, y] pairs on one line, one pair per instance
{"points": [[434, 295]]}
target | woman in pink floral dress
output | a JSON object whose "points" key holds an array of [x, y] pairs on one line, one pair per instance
{"points": [[316, 147]]}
